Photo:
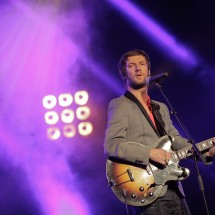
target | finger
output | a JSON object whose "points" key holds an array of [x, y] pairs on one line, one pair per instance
{"points": [[164, 162]]}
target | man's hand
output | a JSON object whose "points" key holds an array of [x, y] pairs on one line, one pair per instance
{"points": [[160, 156], [211, 152]]}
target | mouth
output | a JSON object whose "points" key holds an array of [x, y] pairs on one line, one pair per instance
{"points": [[139, 75]]}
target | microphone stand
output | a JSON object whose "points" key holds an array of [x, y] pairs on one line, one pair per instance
{"points": [[196, 154]]}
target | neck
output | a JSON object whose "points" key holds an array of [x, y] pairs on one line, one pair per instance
{"points": [[141, 94]]}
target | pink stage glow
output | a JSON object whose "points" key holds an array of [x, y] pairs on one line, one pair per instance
{"points": [[36, 56]]}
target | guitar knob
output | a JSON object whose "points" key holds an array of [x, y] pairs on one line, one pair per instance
{"points": [[151, 194], [142, 201], [133, 195], [141, 189]]}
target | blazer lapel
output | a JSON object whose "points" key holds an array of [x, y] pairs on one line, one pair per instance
{"points": [[137, 102]]}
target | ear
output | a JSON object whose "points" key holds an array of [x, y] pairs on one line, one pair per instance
{"points": [[124, 74], [125, 77]]}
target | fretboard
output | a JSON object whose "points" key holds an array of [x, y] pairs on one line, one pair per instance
{"points": [[186, 152]]}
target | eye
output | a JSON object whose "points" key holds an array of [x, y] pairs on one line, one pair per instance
{"points": [[130, 65], [142, 63]]}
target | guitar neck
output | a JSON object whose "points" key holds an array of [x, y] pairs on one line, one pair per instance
{"points": [[204, 145], [186, 152]]}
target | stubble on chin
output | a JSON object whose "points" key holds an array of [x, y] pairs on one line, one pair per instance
{"points": [[137, 86]]}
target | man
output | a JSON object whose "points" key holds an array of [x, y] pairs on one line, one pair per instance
{"points": [[135, 127]]}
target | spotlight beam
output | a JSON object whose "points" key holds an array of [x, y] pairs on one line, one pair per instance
{"points": [[155, 32]]}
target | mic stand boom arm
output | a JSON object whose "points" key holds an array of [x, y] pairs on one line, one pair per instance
{"points": [[196, 153]]}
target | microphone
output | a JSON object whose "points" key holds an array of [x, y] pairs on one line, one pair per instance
{"points": [[153, 79]]}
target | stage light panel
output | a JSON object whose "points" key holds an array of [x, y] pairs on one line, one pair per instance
{"points": [[53, 133], [69, 131], [51, 117], [68, 108], [82, 112], [85, 128], [81, 97], [65, 99], [67, 115], [49, 101]]}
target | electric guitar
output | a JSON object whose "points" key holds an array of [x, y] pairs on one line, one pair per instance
{"points": [[138, 185]]}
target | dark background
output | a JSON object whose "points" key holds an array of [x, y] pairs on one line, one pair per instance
{"points": [[189, 89]]}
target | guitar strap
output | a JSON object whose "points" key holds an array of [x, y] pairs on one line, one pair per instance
{"points": [[158, 118], [160, 131]]}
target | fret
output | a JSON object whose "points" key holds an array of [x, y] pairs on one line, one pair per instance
{"points": [[186, 152], [189, 152], [174, 157], [205, 144], [180, 154], [211, 143], [183, 153], [199, 147]]}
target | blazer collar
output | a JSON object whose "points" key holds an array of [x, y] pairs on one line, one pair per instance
{"points": [[130, 96]]}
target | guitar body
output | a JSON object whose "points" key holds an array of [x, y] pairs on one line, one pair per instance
{"points": [[132, 185], [138, 185]]}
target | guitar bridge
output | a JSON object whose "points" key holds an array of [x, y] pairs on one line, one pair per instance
{"points": [[130, 175]]}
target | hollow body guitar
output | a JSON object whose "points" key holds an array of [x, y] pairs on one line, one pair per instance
{"points": [[138, 185]]}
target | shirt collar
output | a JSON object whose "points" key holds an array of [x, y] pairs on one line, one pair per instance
{"points": [[148, 102]]}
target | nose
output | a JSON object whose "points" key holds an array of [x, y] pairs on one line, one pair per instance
{"points": [[137, 68]]}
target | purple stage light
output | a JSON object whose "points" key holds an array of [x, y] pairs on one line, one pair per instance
{"points": [[104, 76], [36, 56], [63, 115], [49, 101], [159, 36], [81, 97], [65, 99]]}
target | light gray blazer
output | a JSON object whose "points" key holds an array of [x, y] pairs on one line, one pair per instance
{"points": [[129, 135]]}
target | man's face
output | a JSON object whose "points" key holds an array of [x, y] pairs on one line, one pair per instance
{"points": [[136, 71]]}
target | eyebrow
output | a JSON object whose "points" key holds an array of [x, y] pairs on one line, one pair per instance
{"points": [[134, 62]]}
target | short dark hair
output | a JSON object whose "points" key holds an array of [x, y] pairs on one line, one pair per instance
{"points": [[124, 58]]}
